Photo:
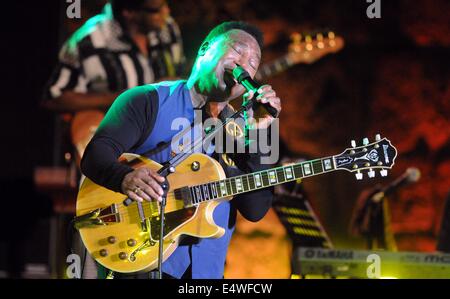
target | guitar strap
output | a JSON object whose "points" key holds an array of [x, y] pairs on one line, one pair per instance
{"points": [[227, 116], [225, 113]]}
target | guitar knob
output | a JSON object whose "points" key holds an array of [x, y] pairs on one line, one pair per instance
{"points": [[195, 166], [366, 141], [371, 173], [383, 172], [103, 252], [111, 239], [353, 143], [359, 176], [131, 242], [123, 255]]}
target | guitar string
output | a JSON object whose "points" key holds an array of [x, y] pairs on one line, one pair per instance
{"points": [[133, 212]]}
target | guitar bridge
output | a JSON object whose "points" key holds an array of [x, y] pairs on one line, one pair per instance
{"points": [[184, 194]]}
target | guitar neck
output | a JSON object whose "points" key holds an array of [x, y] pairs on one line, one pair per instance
{"points": [[274, 67], [259, 180]]}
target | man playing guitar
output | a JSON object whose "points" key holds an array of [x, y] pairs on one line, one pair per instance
{"points": [[141, 118]]}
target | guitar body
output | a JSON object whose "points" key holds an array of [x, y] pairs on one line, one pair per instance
{"points": [[82, 129], [115, 234]]}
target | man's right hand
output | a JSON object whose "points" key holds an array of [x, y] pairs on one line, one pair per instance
{"points": [[143, 184]]}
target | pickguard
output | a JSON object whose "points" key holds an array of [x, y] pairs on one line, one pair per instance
{"points": [[171, 222]]}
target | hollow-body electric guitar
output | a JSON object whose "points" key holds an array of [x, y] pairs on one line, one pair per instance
{"points": [[126, 238]]}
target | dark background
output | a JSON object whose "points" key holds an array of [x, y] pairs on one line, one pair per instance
{"points": [[391, 78]]}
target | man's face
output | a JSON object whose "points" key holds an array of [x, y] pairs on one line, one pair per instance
{"points": [[152, 16], [235, 47]]}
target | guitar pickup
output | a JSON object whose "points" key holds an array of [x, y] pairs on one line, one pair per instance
{"points": [[184, 194]]}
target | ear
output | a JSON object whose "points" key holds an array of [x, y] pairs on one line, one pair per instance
{"points": [[203, 48]]}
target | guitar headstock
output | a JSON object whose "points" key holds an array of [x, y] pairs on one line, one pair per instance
{"points": [[380, 155], [308, 49]]}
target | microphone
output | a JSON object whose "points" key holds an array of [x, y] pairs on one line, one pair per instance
{"points": [[411, 175], [243, 78]]}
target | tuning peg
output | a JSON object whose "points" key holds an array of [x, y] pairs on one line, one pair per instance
{"points": [[319, 38], [366, 141], [331, 37], [359, 176], [353, 143], [377, 137], [296, 37], [371, 173], [383, 172]]}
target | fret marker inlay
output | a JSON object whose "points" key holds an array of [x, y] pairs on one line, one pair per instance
{"points": [[223, 189], [238, 185], [288, 171], [272, 177], [307, 168], [327, 164], [258, 180]]}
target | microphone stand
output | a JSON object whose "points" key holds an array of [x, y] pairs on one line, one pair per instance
{"points": [[164, 171], [376, 221]]}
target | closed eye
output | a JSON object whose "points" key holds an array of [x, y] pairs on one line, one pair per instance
{"points": [[239, 51], [236, 50]]}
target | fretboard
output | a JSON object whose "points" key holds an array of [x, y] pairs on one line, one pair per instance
{"points": [[276, 66], [259, 180]]}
